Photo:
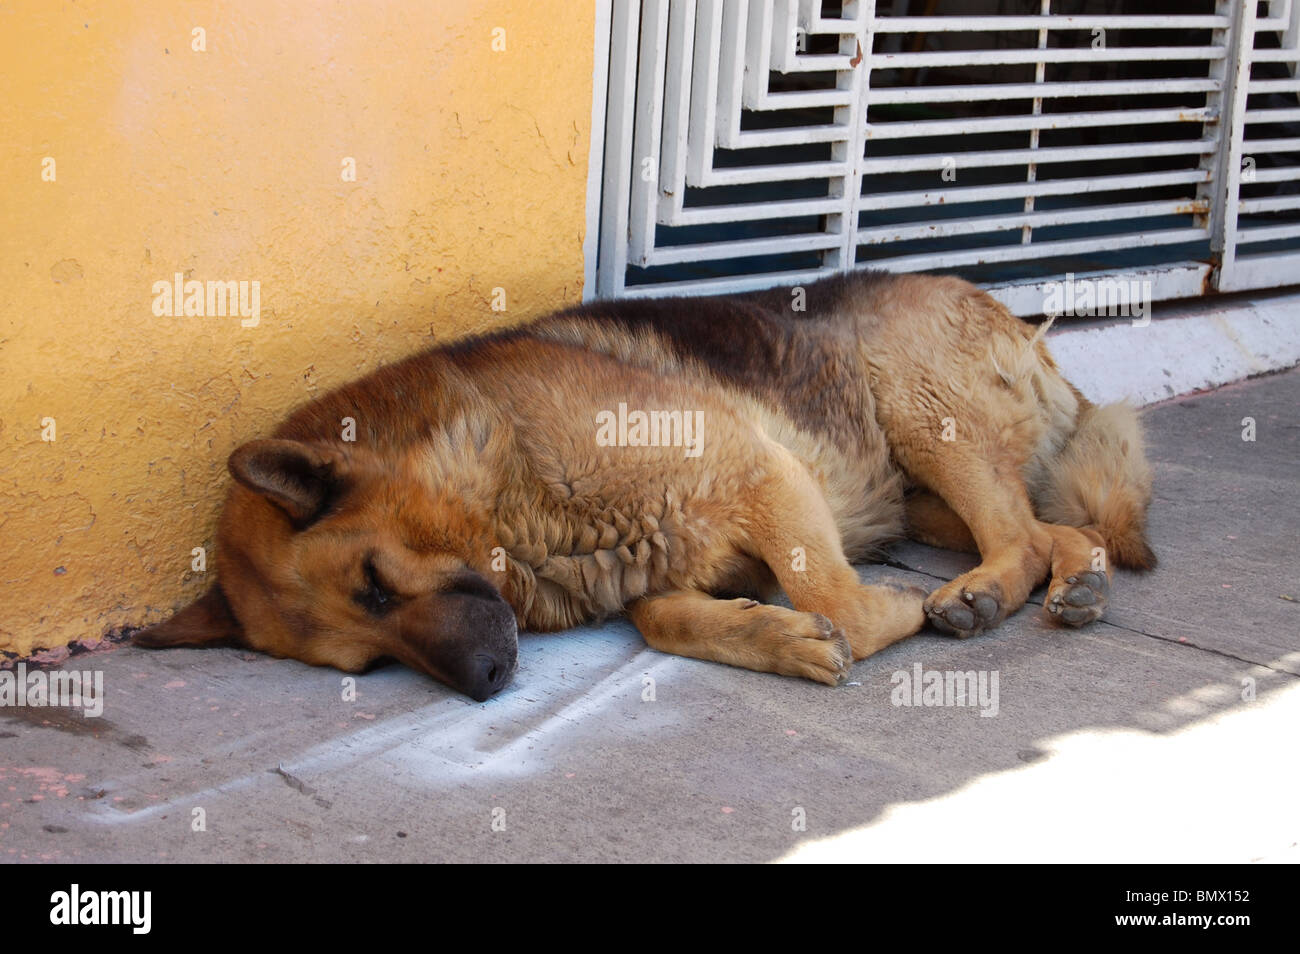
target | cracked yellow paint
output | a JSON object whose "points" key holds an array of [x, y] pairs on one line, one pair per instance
{"points": [[129, 156]]}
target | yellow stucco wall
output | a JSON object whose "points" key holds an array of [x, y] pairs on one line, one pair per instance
{"points": [[226, 165]]}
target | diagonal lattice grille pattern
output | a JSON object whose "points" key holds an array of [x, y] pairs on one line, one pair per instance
{"points": [[750, 142]]}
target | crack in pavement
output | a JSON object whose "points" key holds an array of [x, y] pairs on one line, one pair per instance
{"points": [[1173, 641], [298, 785]]}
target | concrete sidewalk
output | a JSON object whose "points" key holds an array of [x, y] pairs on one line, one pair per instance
{"points": [[1165, 732]]}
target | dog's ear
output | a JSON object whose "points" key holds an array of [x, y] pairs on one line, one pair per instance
{"points": [[207, 621], [298, 478]]}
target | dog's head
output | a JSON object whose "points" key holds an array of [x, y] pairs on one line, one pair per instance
{"points": [[329, 557]]}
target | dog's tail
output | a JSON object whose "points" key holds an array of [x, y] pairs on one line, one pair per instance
{"points": [[1101, 480]]}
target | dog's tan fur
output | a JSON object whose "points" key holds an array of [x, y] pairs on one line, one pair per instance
{"points": [[824, 437]]}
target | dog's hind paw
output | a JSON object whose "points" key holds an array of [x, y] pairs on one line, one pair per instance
{"points": [[963, 610], [1078, 599]]}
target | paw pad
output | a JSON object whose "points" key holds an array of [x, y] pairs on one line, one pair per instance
{"points": [[1078, 599]]}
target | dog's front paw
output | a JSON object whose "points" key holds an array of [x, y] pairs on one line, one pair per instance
{"points": [[792, 643], [1079, 598], [811, 646]]}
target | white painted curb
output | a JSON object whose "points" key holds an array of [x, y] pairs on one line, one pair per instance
{"points": [[1187, 346]]}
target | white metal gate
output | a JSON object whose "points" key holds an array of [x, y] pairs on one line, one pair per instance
{"points": [[755, 142]]}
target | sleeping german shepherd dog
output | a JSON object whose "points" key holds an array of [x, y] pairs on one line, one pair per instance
{"points": [[680, 459]]}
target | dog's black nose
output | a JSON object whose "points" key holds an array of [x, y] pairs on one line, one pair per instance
{"points": [[489, 675]]}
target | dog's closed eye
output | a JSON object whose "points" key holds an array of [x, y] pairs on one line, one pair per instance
{"points": [[374, 597]]}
